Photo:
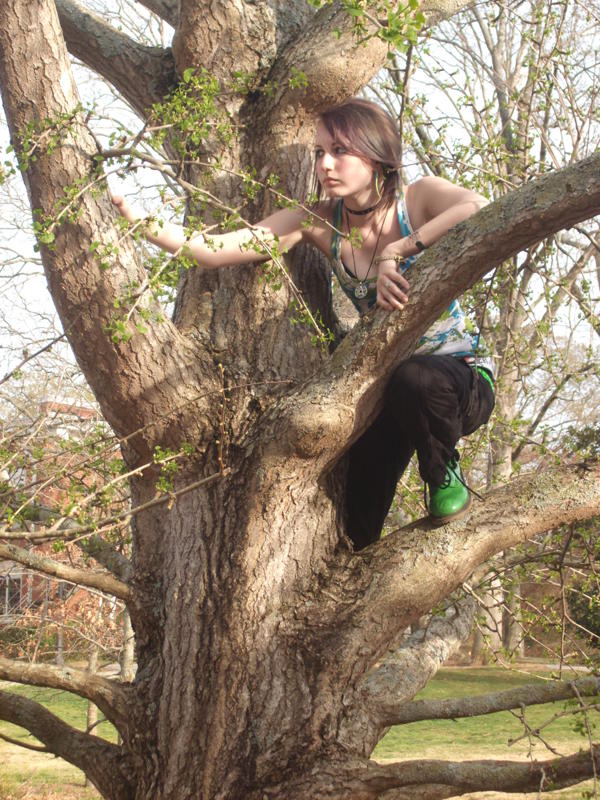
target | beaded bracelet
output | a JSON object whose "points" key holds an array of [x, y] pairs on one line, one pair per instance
{"points": [[397, 259]]}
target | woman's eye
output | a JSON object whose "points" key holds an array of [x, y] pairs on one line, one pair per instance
{"points": [[318, 154], [339, 150]]}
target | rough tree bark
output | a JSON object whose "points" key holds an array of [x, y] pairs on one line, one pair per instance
{"points": [[263, 643]]}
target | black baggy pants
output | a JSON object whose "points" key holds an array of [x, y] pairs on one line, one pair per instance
{"points": [[430, 402]]}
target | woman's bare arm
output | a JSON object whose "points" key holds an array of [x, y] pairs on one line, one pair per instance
{"points": [[281, 231], [434, 206]]}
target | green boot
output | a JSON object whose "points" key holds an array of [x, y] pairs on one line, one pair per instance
{"points": [[452, 499]]}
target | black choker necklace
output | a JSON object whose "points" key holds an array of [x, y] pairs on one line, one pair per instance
{"points": [[361, 211]]}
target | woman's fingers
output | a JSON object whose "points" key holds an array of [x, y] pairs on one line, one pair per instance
{"points": [[386, 299], [396, 290], [392, 291]]}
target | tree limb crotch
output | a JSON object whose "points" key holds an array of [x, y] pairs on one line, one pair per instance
{"points": [[386, 690], [117, 57]]}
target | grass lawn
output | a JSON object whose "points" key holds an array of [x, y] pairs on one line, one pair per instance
{"points": [[487, 736], [25, 775]]}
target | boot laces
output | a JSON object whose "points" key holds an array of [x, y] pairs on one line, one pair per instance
{"points": [[451, 465], [458, 472]]}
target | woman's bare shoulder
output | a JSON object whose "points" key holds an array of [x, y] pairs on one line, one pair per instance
{"points": [[428, 185], [321, 213], [432, 195], [318, 224]]}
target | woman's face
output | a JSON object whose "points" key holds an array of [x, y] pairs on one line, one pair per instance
{"points": [[340, 173]]}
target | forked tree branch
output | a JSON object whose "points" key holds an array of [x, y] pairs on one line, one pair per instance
{"points": [[373, 594], [566, 285], [336, 66], [105, 764], [117, 57], [83, 577], [525, 438], [474, 706], [110, 696]]}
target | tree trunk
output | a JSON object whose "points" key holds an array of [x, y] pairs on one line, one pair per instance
{"points": [[127, 656], [270, 657], [514, 634], [60, 631], [92, 708]]}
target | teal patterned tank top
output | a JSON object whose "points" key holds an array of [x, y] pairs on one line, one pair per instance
{"points": [[452, 334]]}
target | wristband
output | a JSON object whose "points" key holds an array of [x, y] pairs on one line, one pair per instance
{"points": [[414, 238]]}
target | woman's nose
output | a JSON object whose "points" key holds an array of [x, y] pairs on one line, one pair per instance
{"points": [[326, 161]]}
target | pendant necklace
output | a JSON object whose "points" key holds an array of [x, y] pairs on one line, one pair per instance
{"points": [[362, 290]]}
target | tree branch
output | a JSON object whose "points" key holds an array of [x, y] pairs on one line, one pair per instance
{"points": [[346, 392], [552, 397], [153, 369], [405, 673], [102, 552], [36, 748], [92, 545], [105, 764], [565, 286], [117, 57], [166, 9], [83, 577], [585, 308], [373, 594], [382, 695], [436, 779], [336, 67], [531, 695], [485, 775], [110, 696]]}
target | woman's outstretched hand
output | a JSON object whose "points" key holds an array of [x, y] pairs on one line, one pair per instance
{"points": [[392, 287], [166, 235]]}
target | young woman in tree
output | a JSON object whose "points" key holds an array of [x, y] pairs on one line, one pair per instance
{"points": [[442, 392]]}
